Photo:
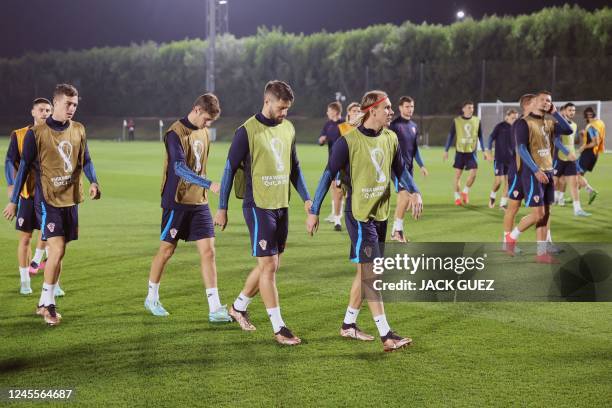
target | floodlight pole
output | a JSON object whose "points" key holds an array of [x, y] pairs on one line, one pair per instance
{"points": [[212, 34]]}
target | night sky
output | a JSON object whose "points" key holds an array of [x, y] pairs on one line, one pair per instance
{"points": [[41, 25]]}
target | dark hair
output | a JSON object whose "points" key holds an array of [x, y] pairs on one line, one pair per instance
{"points": [[465, 103], [210, 103], [337, 106], [525, 99], [65, 89], [281, 90], [544, 93], [405, 99], [567, 105], [589, 110], [40, 100]]}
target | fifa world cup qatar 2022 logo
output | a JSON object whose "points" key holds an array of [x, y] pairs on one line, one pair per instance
{"points": [[198, 151], [378, 160], [277, 147], [65, 151], [468, 130]]}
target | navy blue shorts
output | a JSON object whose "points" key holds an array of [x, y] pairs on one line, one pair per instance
{"points": [[268, 230], [399, 186], [465, 161], [188, 225], [587, 161], [565, 168], [58, 221], [367, 238], [26, 215], [501, 168], [536, 193], [515, 184]]}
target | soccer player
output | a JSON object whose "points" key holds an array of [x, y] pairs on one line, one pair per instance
{"points": [[593, 145], [186, 214], [329, 134], [534, 136], [370, 155], [565, 169], [515, 189], [407, 134], [466, 129], [502, 138], [26, 216], [57, 151], [264, 149]]}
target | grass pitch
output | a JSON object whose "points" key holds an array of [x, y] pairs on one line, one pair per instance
{"points": [[113, 353]]}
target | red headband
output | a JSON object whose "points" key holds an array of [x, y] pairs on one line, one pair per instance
{"points": [[366, 108]]}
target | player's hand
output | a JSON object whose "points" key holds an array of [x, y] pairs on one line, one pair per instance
{"points": [[571, 157], [94, 192], [312, 224], [9, 211], [221, 219], [215, 187], [307, 206], [9, 191], [553, 109], [487, 156], [541, 176], [424, 172], [445, 156], [322, 140], [416, 205]]}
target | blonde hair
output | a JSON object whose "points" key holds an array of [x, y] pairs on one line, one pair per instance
{"points": [[349, 107], [370, 98]]}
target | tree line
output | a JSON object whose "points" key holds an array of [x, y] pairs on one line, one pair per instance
{"points": [[566, 48]]}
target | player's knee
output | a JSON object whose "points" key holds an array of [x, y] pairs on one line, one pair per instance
{"points": [[25, 240], [541, 218], [269, 267], [57, 252], [208, 252], [166, 252]]}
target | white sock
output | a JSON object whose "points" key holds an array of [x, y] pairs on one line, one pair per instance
{"points": [[337, 220], [47, 297], [25, 275], [153, 295], [276, 319], [515, 233], [561, 196], [556, 196], [466, 189], [457, 196], [214, 303], [504, 201], [38, 255], [382, 325], [548, 236], [350, 316], [577, 206], [342, 206], [333, 211], [542, 246], [493, 195], [398, 224], [242, 302]]}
